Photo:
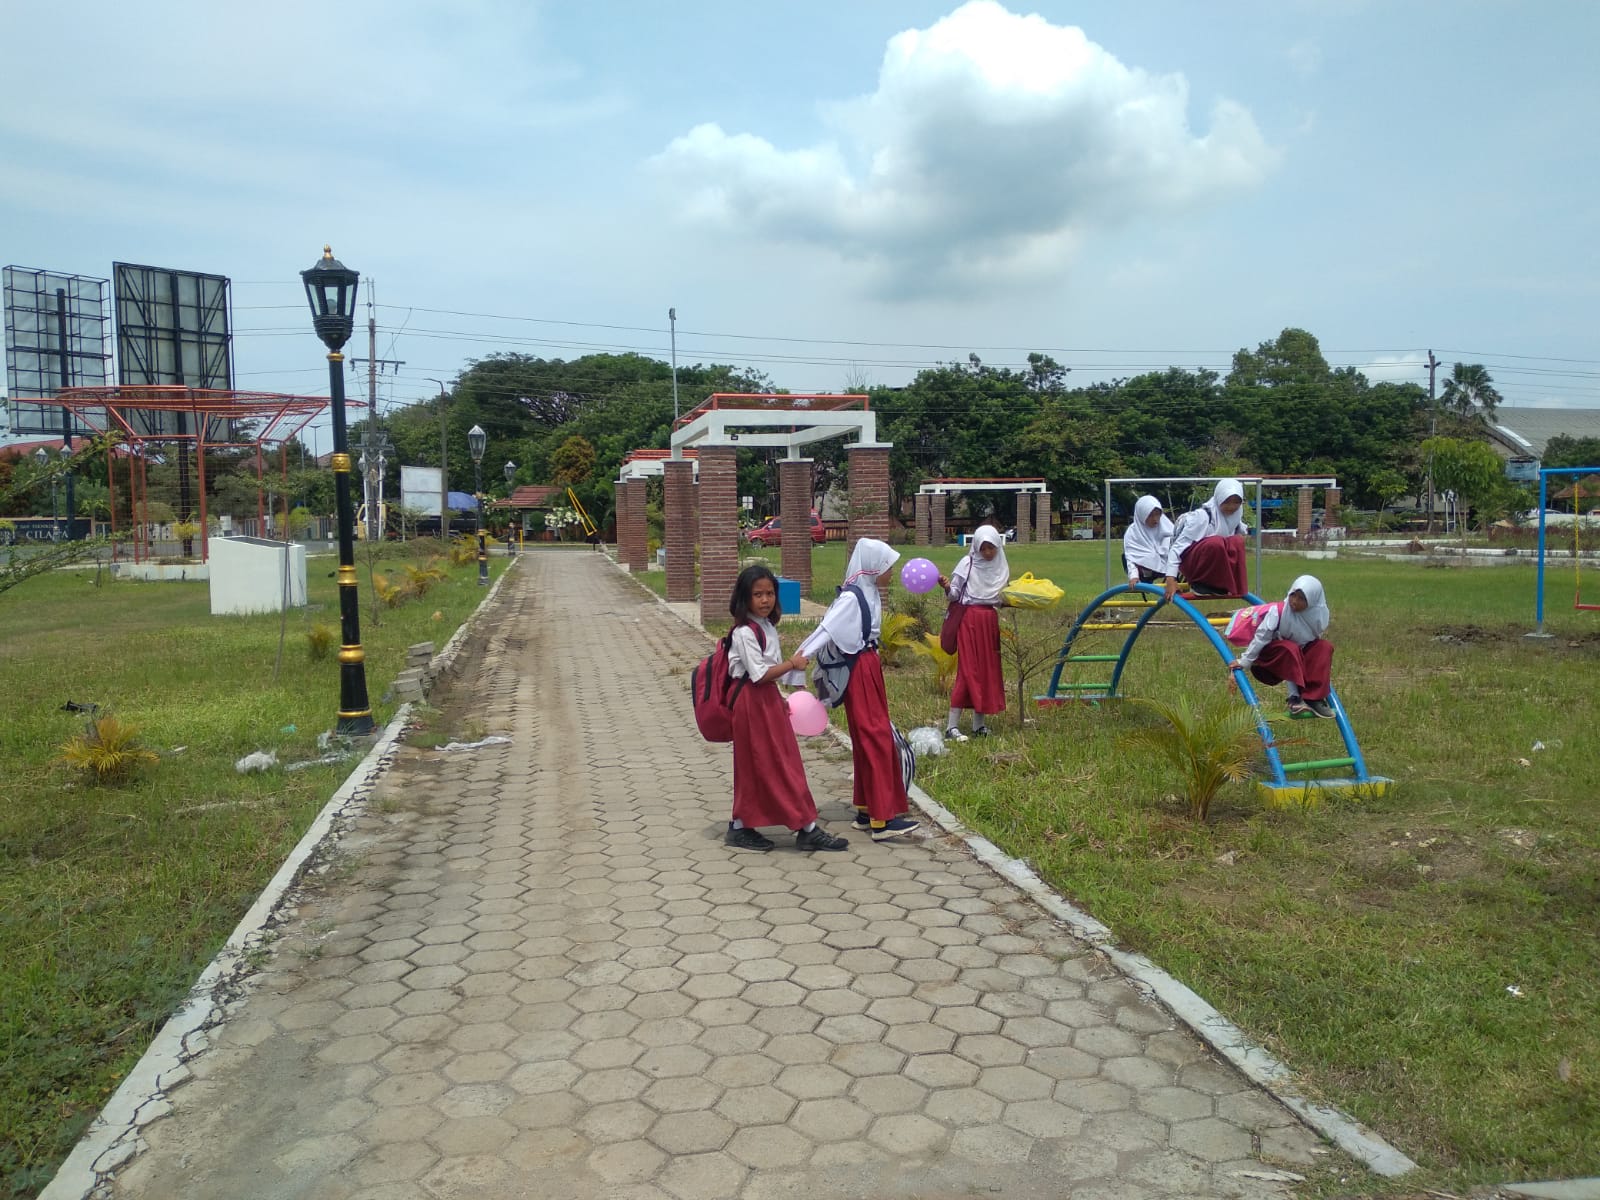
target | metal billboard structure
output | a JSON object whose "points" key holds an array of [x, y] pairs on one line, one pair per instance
{"points": [[58, 329], [174, 328]]}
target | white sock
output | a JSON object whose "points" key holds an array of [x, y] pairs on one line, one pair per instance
{"points": [[954, 720], [1294, 692], [735, 824], [978, 722], [809, 827]]}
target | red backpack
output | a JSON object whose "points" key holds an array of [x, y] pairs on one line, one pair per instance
{"points": [[1242, 626], [713, 690]]}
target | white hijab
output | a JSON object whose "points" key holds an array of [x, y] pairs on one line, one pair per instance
{"points": [[1218, 522], [841, 624], [982, 580], [1308, 626], [1144, 546]]}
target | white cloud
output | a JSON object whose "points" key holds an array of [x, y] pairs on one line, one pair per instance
{"points": [[1396, 368], [992, 146]]}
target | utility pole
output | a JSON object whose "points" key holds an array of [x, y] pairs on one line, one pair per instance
{"points": [[66, 413], [444, 461], [672, 316], [1433, 429]]}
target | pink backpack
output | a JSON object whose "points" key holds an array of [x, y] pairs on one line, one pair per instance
{"points": [[1242, 626]]}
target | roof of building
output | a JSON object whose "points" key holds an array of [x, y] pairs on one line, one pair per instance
{"points": [[530, 495], [1529, 430]]}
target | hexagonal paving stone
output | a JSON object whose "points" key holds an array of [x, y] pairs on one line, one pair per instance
{"points": [[886, 1094], [964, 1106], [993, 1144], [712, 1176], [813, 1081], [696, 1132], [621, 1083], [906, 1134], [472, 1135], [831, 1120], [1043, 1119], [989, 1050], [618, 1121], [1211, 1139], [761, 1105], [682, 1095], [867, 1058], [769, 1146], [626, 1162]]}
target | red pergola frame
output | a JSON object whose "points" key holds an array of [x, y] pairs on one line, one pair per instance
{"points": [[283, 418]]}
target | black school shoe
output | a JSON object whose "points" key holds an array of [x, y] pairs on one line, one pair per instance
{"points": [[1320, 708], [818, 838], [748, 839], [1206, 591]]}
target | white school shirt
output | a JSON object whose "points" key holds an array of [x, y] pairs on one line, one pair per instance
{"points": [[746, 658]]}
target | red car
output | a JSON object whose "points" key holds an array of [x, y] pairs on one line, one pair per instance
{"points": [[770, 532]]}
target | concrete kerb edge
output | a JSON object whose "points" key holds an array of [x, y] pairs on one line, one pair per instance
{"points": [[114, 1135], [1221, 1034]]}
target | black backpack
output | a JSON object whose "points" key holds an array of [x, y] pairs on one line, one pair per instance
{"points": [[831, 673]]}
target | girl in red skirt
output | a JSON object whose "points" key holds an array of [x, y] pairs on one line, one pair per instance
{"points": [[977, 583], [1208, 546], [880, 790], [1289, 648], [769, 780]]}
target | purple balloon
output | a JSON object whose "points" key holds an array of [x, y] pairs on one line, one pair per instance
{"points": [[919, 575]]}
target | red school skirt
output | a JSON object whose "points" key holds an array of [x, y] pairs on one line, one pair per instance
{"points": [[769, 779], [879, 787], [1217, 562], [1308, 667], [978, 683]]}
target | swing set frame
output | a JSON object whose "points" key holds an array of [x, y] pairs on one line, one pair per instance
{"points": [[1545, 474]]}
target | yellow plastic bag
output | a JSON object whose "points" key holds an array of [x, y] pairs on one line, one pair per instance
{"points": [[1027, 592]]}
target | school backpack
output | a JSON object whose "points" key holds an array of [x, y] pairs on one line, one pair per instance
{"points": [[713, 690], [831, 673], [1242, 626]]}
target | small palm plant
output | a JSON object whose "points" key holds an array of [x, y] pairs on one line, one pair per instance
{"points": [[944, 665], [108, 750], [900, 630], [1214, 747]]}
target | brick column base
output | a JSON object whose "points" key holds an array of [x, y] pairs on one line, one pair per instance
{"points": [[618, 518], [923, 537], [869, 497], [938, 531], [1024, 517], [719, 530], [1042, 514], [1330, 507], [678, 495], [636, 532], [794, 506], [1303, 516]]}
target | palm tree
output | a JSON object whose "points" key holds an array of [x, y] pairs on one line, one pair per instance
{"points": [[1470, 388], [1211, 748]]}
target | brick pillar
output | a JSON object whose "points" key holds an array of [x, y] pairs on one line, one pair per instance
{"points": [[620, 502], [1041, 525], [869, 498], [719, 530], [1024, 517], [794, 507], [678, 490], [1330, 507], [937, 521], [1303, 517], [635, 534], [921, 502]]}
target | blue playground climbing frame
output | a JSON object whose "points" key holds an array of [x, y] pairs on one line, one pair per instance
{"points": [[1130, 609]]}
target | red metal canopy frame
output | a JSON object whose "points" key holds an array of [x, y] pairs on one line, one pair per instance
{"points": [[117, 411]]}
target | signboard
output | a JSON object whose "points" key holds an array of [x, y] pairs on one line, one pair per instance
{"points": [[420, 488], [55, 322], [173, 327], [1524, 468]]}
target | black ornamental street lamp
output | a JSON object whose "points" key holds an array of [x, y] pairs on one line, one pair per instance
{"points": [[331, 292], [42, 457], [477, 442], [516, 517]]}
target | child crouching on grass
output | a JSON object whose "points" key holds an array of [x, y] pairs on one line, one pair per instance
{"points": [[1289, 648], [769, 780]]}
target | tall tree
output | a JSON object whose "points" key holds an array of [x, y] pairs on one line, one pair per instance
{"points": [[1470, 390]]}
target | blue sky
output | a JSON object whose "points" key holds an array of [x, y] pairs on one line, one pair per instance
{"points": [[835, 192]]}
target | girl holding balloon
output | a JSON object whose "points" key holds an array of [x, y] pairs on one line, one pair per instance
{"points": [[977, 584], [769, 780]]}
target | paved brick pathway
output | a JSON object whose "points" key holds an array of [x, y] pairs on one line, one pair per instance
{"points": [[534, 970]]}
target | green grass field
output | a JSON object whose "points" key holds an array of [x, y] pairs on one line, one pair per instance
{"points": [[113, 899], [1428, 961]]}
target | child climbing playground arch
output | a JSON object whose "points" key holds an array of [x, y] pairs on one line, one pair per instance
{"points": [[1585, 485], [1131, 610]]}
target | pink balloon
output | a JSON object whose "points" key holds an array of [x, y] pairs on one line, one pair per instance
{"points": [[919, 575], [807, 716]]}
